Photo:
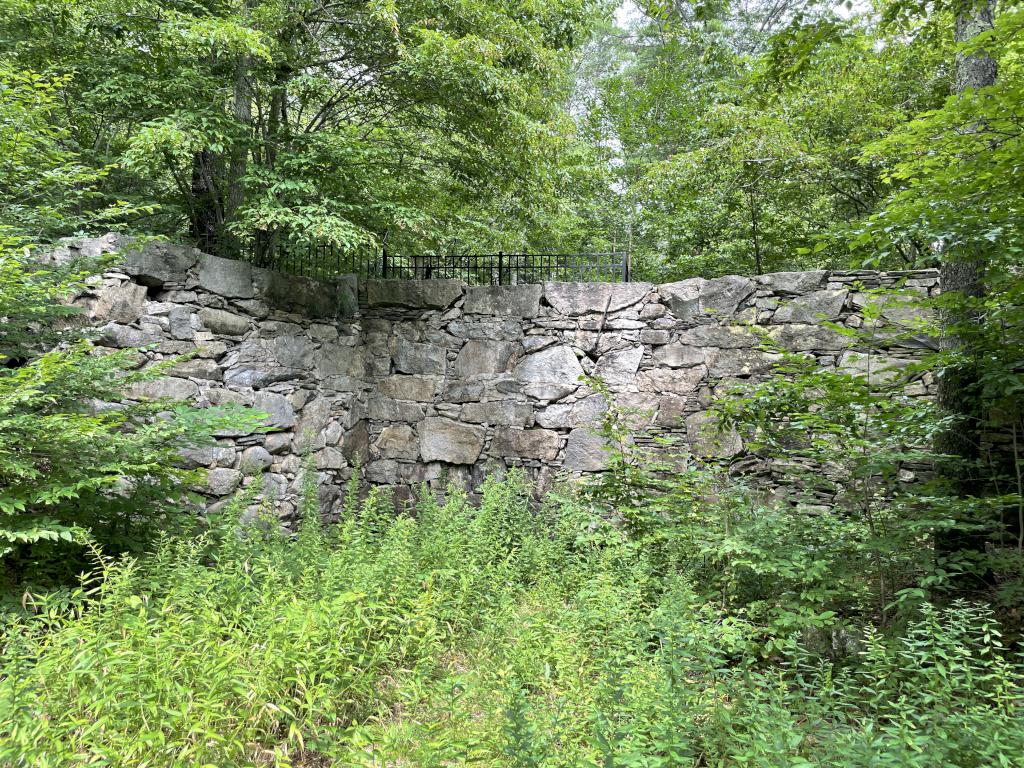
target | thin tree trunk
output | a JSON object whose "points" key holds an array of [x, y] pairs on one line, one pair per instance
{"points": [[961, 277], [242, 109], [207, 211]]}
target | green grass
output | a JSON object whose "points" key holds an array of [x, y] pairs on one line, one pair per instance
{"points": [[498, 635]]}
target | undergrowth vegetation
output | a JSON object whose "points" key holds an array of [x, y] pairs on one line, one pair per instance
{"points": [[503, 633]]}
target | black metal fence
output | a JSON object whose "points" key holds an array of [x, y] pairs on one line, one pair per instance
{"points": [[508, 268], [325, 260]]}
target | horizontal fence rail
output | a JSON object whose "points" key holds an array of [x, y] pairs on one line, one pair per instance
{"points": [[325, 260]]}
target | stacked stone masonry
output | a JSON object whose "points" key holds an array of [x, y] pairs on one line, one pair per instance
{"points": [[414, 382]]}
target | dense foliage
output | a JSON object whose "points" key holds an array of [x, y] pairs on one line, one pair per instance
{"points": [[662, 615], [500, 635], [75, 464], [422, 122]]}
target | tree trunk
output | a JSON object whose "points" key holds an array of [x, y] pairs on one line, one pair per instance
{"points": [[961, 278], [242, 109], [979, 70], [207, 210]]}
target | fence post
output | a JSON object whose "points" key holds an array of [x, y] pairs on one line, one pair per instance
{"points": [[625, 267], [501, 258], [383, 262]]}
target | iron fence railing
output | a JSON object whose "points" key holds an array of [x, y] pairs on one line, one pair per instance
{"points": [[325, 260], [508, 268]]}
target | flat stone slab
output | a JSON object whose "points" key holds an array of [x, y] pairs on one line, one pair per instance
{"points": [[412, 387], [450, 441], [503, 300], [540, 444], [574, 299], [812, 307], [397, 441], [554, 365], [414, 357], [225, 277], [719, 297], [479, 357], [414, 294], [585, 451], [793, 283]]}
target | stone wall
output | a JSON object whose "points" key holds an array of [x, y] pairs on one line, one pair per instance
{"points": [[415, 381]]}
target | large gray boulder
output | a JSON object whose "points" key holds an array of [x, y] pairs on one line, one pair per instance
{"points": [[551, 373], [340, 360], [683, 297], [676, 381], [582, 413], [722, 296], [397, 441], [618, 368], [722, 336], [221, 482], [166, 388], [292, 351], [355, 444], [127, 336], [380, 408], [501, 330], [450, 441], [812, 307], [574, 299], [156, 263], [198, 368], [259, 362], [739, 362], [255, 458], [719, 297], [208, 456], [253, 364], [504, 412], [800, 337], [877, 369], [304, 295], [312, 421], [413, 357], [280, 412], [122, 302], [70, 249]]}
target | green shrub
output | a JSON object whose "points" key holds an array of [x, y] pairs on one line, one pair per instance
{"points": [[508, 634], [74, 464]]}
